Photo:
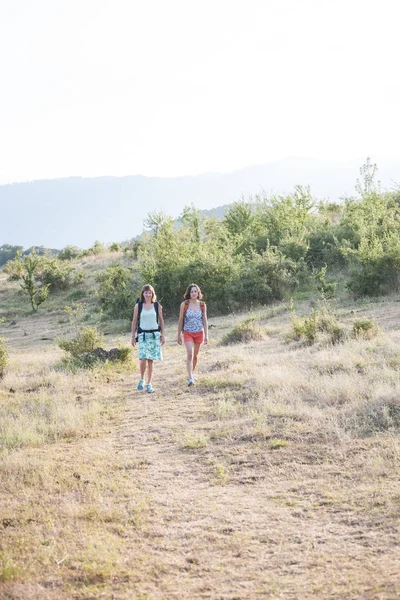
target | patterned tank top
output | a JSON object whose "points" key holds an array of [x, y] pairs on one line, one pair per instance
{"points": [[193, 320]]}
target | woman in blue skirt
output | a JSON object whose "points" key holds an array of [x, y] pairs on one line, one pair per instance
{"points": [[148, 331]]}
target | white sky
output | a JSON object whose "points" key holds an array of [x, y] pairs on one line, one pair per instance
{"points": [[177, 87]]}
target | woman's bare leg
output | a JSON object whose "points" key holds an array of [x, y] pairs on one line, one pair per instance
{"points": [[142, 365], [189, 359], [195, 353], [149, 370]]}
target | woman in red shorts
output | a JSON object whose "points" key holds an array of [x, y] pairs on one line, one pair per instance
{"points": [[193, 323]]}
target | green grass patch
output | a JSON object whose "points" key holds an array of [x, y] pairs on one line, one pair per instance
{"points": [[194, 441], [247, 331]]}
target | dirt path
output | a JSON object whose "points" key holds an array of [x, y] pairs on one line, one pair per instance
{"points": [[264, 532], [172, 499]]}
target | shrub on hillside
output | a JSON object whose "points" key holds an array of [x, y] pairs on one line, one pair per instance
{"points": [[374, 416], [247, 331], [116, 292], [172, 259], [33, 270], [327, 290], [3, 357], [115, 247], [97, 248], [8, 252], [85, 351], [305, 328], [321, 320], [263, 278], [99, 356], [375, 266], [13, 267], [54, 273], [69, 253], [86, 340], [364, 328], [214, 272], [79, 277], [323, 237]]}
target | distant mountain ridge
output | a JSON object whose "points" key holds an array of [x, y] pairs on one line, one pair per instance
{"points": [[77, 211]]}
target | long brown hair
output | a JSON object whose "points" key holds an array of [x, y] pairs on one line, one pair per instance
{"points": [[189, 289], [145, 288]]}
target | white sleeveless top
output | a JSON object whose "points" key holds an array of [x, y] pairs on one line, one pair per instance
{"points": [[148, 319]]}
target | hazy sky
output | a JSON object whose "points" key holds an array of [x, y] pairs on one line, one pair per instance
{"points": [[177, 87]]}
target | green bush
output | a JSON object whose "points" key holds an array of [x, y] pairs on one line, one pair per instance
{"points": [[79, 277], [374, 416], [265, 248], [97, 248], [116, 292], [323, 237], [69, 253], [86, 340], [32, 269], [98, 356], [214, 272], [286, 217], [263, 278], [375, 266], [321, 320], [3, 357], [54, 273], [247, 331], [13, 267], [8, 252], [364, 328], [85, 351], [327, 290], [305, 328], [115, 247]]}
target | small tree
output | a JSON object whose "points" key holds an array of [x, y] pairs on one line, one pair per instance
{"points": [[36, 294], [327, 290], [238, 218], [191, 218], [367, 185], [156, 221]]}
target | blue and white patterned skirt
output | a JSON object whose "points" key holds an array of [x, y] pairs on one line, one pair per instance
{"points": [[150, 346]]}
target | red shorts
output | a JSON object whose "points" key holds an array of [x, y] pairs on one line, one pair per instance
{"points": [[196, 337]]}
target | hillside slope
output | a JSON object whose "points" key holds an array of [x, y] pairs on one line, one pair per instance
{"points": [[277, 476]]}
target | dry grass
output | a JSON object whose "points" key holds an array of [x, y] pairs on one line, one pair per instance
{"points": [[277, 476]]}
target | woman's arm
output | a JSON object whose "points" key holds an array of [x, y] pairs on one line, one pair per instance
{"points": [[134, 325], [161, 323], [205, 324], [180, 324]]}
